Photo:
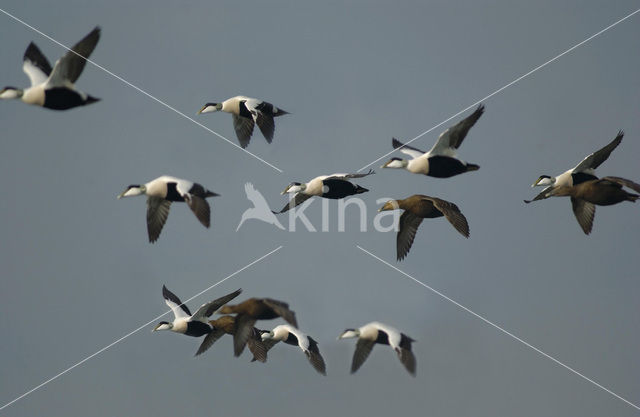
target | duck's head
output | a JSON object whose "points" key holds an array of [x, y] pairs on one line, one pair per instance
{"points": [[163, 325], [210, 108], [133, 190], [267, 335], [396, 163], [390, 205], [8, 93], [544, 180], [349, 334], [278, 333], [294, 187]]}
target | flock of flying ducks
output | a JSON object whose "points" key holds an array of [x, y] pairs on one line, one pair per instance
{"points": [[54, 88], [259, 342]]}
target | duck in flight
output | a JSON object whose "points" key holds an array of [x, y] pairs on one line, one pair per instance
{"points": [[584, 171], [247, 112], [606, 191], [251, 310], [334, 186], [195, 324], [292, 336], [419, 207], [54, 88], [375, 332], [441, 161], [164, 190]]}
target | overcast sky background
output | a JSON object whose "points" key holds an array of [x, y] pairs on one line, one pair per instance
{"points": [[78, 272]]}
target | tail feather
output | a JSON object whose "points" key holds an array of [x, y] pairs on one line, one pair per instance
{"points": [[91, 99], [280, 112], [360, 190], [472, 167]]}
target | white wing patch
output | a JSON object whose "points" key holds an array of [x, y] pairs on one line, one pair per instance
{"points": [[411, 152], [178, 312], [35, 74], [443, 146]]}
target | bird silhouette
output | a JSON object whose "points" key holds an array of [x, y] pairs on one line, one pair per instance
{"points": [[260, 210]]}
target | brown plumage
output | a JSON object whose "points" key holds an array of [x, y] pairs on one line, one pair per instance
{"points": [[585, 196], [226, 325], [251, 310], [419, 207]]}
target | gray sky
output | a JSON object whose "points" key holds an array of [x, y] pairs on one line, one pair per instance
{"points": [[78, 272]]}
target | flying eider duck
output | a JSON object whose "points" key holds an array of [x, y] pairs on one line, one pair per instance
{"points": [[441, 161], [606, 191], [334, 186], [247, 112], [419, 207], [375, 332], [251, 310], [164, 190], [195, 324], [292, 336], [226, 325], [584, 171], [54, 88]]}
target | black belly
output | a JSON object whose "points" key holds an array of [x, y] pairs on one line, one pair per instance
{"points": [[172, 193], [336, 189], [244, 112], [383, 338], [61, 98], [445, 167], [580, 177], [197, 329]]}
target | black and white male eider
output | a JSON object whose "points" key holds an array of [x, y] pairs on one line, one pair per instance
{"points": [[247, 112], [292, 336], [161, 192], [584, 171], [195, 324], [54, 88], [334, 186], [441, 161], [419, 207], [375, 332]]}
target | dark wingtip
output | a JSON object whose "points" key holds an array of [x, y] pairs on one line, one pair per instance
{"points": [[527, 201], [91, 99]]}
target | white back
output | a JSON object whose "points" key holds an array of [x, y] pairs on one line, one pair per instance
{"points": [[393, 333]]}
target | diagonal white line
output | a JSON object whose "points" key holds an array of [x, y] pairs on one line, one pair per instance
{"points": [[133, 332], [192, 120], [546, 355], [508, 85]]}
